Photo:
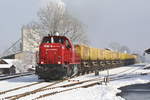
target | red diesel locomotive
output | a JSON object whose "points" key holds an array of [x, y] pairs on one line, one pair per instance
{"points": [[57, 58]]}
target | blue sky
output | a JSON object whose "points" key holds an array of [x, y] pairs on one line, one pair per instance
{"points": [[123, 21]]}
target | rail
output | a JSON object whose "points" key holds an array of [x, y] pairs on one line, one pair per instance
{"points": [[15, 75]]}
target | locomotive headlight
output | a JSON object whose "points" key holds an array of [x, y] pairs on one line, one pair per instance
{"points": [[59, 62], [42, 62]]}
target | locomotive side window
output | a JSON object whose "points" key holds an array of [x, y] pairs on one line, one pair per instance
{"points": [[67, 44]]}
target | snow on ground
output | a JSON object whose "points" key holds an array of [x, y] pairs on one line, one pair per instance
{"points": [[105, 92], [17, 82], [98, 92]]}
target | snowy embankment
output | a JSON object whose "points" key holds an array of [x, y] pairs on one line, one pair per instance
{"points": [[97, 92]]}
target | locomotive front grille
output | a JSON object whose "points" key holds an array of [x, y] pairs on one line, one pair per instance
{"points": [[52, 56]]}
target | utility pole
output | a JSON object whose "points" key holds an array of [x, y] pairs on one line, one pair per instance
{"points": [[106, 79]]}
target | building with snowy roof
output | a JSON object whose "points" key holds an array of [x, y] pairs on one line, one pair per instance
{"points": [[7, 66]]}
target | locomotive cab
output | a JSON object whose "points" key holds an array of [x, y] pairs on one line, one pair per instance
{"points": [[56, 50]]}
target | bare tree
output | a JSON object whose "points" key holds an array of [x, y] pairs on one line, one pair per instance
{"points": [[56, 18], [119, 48], [115, 46], [124, 49]]}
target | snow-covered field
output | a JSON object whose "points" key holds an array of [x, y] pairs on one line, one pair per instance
{"points": [[97, 92]]}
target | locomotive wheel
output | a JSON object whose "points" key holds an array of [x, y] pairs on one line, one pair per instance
{"points": [[69, 71]]}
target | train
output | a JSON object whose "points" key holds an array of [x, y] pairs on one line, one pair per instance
{"points": [[58, 58]]}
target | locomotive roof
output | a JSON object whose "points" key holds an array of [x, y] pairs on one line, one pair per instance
{"points": [[55, 36]]}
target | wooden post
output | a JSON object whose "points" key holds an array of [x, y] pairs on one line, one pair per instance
{"points": [[96, 72]]}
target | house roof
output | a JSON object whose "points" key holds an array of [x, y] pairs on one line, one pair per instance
{"points": [[6, 63]]}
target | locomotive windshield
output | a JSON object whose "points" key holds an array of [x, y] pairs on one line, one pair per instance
{"points": [[53, 40]]}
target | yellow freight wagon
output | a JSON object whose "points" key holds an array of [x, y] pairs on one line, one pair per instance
{"points": [[115, 55], [122, 56], [100, 54], [135, 57], [93, 54], [107, 54], [83, 51], [128, 56]]}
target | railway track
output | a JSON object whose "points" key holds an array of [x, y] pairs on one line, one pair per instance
{"points": [[15, 76], [45, 88], [52, 86], [94, 81], [14, 89], [65, 90], [14, 97]]}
